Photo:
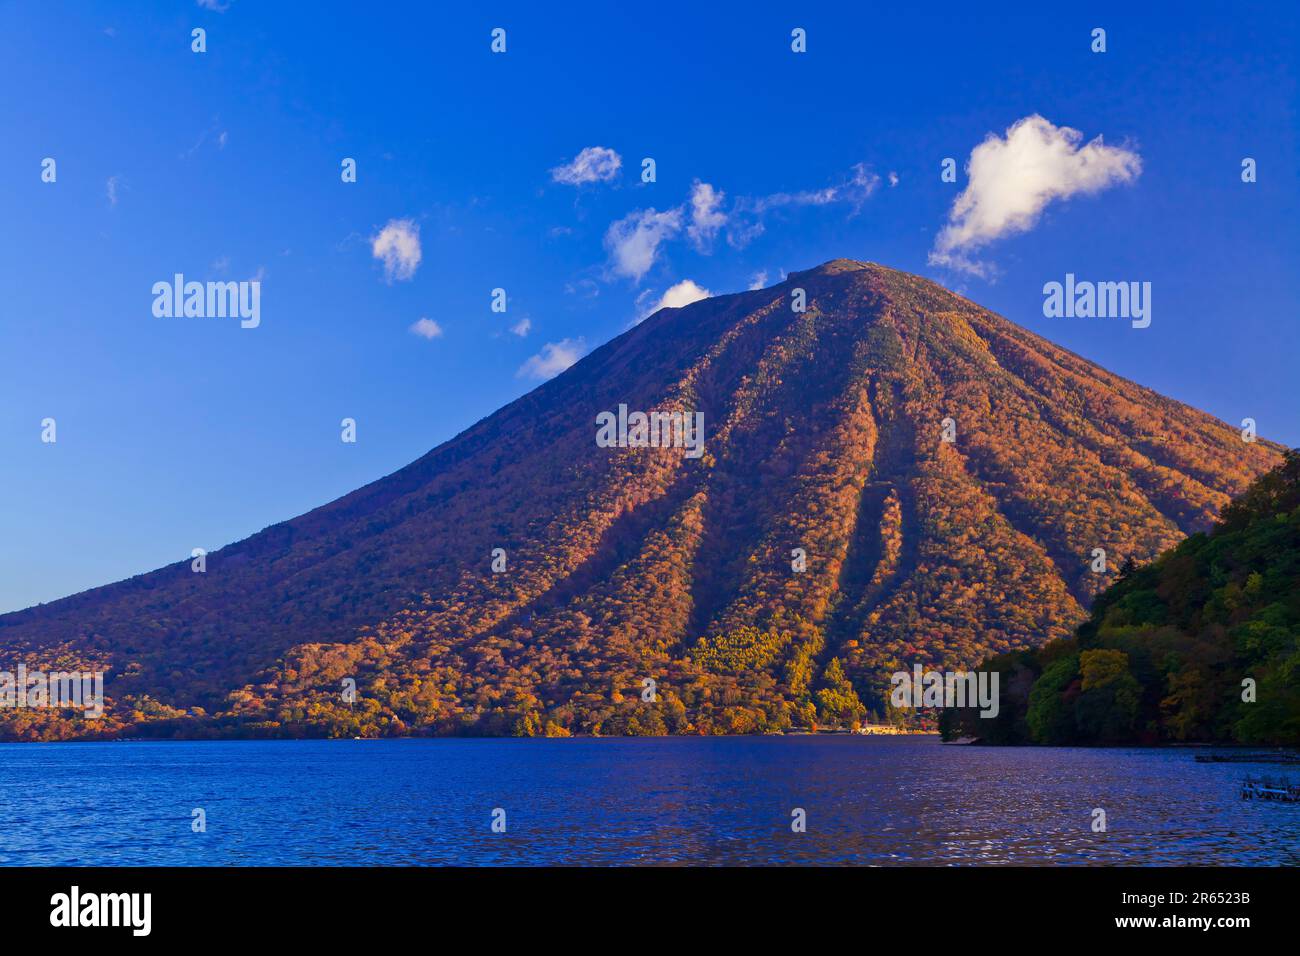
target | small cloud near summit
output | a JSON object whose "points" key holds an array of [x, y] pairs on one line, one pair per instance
{"points": [[634, 242], [553, 359], [681, 294]]}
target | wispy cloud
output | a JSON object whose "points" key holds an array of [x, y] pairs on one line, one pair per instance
{"points": [[594, 164], [1013, 178], [759, 281], [216, 6], [584, 288], [214, 130], [633, 242], [747, 221], [111, 187], [522, 327], [855, 189], [397, 245], [427, 328], [553, 359]]}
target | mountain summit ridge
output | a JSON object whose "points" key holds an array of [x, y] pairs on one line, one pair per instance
{"points": [[824, 444]]}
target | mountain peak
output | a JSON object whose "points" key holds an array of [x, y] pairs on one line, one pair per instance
{"points": [[840, 267], [836, 266]]}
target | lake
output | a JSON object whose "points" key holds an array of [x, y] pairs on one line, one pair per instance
{"points": [[725, 800]]}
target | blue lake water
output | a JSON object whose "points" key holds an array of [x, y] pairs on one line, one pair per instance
{"points": [[887, 801]]}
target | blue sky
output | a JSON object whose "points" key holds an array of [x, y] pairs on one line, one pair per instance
{"points": [[225, 165]]}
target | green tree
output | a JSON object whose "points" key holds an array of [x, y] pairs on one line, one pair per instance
{"points": [[1050, 717]]}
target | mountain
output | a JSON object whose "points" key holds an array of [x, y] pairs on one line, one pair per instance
{"points": [[1202, 644], [823, 431]]}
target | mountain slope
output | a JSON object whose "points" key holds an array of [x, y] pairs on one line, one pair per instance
{"points": [[822, 433]]}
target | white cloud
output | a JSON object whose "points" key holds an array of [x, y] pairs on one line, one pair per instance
{"points": [[110, 189], [221, 139], [633, 241], [1012, 179], [398, 245], [427, 328], [683, 293], [759, 281], [706, 217], [893, 179], [593, 164], [522, 327], [553, 359], [217, 6]]}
